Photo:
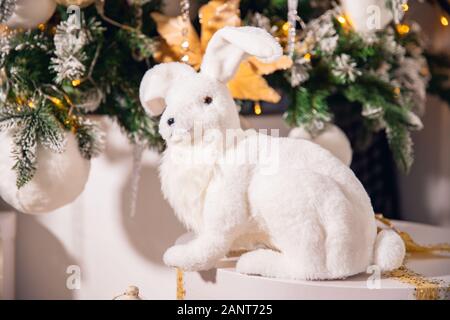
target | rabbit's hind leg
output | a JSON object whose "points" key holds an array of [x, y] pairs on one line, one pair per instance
{"points": [[274, 264], [303, 259], [264, 262]]}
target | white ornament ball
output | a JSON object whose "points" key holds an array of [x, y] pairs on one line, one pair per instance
{"points": [[331, 138], [28, 14], [79, 3], [367, 15], [59, 179]]}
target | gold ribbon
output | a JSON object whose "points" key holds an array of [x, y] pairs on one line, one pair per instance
{"points": [[424, 288], [181, 292]]}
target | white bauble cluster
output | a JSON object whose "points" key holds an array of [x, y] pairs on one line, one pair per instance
{"points": [[331, 138]]}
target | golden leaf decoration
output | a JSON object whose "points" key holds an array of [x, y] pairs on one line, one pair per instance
{"points": [[215, 15], [248, 83], [170, 49]]}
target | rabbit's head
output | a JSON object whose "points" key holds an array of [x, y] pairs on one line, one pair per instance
{"points": [[185, 98]]}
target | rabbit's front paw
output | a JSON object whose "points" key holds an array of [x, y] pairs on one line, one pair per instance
{"points": [[176, 256], [187, 257]]}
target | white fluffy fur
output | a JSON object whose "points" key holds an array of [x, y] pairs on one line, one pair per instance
{"points": [[160, 80], [230, 45], [59, 178], [389, 250], [311, 212]]}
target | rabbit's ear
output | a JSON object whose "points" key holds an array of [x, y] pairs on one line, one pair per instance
{"points": [[157, 81], [230, 45]]}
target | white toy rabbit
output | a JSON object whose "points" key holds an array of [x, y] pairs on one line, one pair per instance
{"points": [[308, 208]]}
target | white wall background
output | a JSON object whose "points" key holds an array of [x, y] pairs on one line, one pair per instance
{"points": [[98, 234], [115, 250]]}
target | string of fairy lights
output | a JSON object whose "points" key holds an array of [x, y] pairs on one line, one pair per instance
{"points": [[58, 98]]}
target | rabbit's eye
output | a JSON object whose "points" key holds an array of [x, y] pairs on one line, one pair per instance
{"points": [[207, 100]]}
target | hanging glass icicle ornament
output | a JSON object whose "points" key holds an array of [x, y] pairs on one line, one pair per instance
{"points": [[299, 68], [292, 22], [89, 100], [138, 151], [6, 9], [4, 85], [184, 4]]}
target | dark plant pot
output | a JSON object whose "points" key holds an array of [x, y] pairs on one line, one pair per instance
{"points": [[372, 160]]}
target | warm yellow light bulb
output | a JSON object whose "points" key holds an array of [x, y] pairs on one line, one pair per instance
{"points": [[257, 108], [341, 20], [405, 7], [57, 102], [31, 104], [285, 28], [307, 56], [76, 82], [402, 29], [41, 27], [444, 21]]}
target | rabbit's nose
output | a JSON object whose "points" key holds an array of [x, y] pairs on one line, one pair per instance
{"points": [[170, 121]]}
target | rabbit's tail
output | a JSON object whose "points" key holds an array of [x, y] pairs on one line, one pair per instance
{"points": [[389, 250]]}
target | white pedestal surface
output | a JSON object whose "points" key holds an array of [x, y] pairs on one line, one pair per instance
{"points": [[225, 283]]}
